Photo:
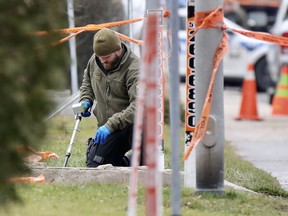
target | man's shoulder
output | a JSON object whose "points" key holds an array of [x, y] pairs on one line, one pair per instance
{"points": [[92, 58]]}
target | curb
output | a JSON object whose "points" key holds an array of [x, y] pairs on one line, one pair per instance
{"points": [[102, 174], [106, 174]]}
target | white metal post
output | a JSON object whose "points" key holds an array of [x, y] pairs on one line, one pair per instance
{"points": [[72, 45], [173, 23], [190, 121]]}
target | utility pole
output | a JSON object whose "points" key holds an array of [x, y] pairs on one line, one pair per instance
{"points": [[72, 45], [210, 150]]}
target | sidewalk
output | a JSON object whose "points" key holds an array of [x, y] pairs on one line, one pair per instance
{"points": [[264, 143]]}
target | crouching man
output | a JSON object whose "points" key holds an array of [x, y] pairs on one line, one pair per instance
{"points": [[110, 80]]}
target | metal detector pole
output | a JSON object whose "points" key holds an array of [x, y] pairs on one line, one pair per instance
{"points": [[210, 150], [75, 130]]}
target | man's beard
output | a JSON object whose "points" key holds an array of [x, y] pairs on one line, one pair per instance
{"points": [[112, 64]]}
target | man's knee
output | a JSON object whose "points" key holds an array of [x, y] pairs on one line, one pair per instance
{"points": [[92, 159]]}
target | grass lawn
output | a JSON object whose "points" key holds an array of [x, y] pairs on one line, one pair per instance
{"points": [[111, 199]]}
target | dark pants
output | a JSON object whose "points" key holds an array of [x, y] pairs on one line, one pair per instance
{"points": [[112, 151]]}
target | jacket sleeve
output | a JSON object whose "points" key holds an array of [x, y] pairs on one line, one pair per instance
{"points": [[86, 91], [125, 118]]}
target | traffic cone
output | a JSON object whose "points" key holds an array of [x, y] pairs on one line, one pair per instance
{"points": [[280, 100], [248, 109]]}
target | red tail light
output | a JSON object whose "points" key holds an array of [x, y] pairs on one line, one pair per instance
{"points": [[284, 49]]}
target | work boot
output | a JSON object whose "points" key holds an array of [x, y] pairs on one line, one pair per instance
{"points": [[127, 159]]}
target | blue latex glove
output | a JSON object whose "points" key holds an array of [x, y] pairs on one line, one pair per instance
{"points": [[85, 107], [101, 134]]}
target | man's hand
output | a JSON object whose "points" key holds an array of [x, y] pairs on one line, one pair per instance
{"points": [[85, 107], [101, 134]]}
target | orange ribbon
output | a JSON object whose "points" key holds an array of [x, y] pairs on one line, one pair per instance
{"points": [[205, 19], [91, 27], [94, 27], [29, 180], [47, 155], [261, 36], [38, 156], [211, 19]]}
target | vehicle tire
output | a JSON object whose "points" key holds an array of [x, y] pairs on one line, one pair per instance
{"points": [[262, 75]]}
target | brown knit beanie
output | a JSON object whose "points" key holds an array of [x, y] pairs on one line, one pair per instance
{"points": [[106, 42]]}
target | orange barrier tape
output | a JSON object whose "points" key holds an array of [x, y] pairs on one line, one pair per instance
{"points": [[222, 48], [91, 27], [94, 27], [67, 38], [124, 37], [47, 155], [262, 36], [38, 156], [41, 156], [29, 180], [210, 19], [166, 13]]}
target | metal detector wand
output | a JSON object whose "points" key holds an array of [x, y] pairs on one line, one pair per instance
{"points": [[77, 110]]}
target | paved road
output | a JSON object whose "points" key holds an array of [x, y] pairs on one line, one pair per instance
{"points": [[264, 143]]}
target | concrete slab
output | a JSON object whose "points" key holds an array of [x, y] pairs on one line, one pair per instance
{"points": [[102, 174], [105, 174]]}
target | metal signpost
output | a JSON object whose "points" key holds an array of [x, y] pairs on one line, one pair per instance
{"points": [[190, 117]]}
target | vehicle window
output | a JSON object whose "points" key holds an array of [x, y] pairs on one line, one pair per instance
{"points": [[260, 18]]}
